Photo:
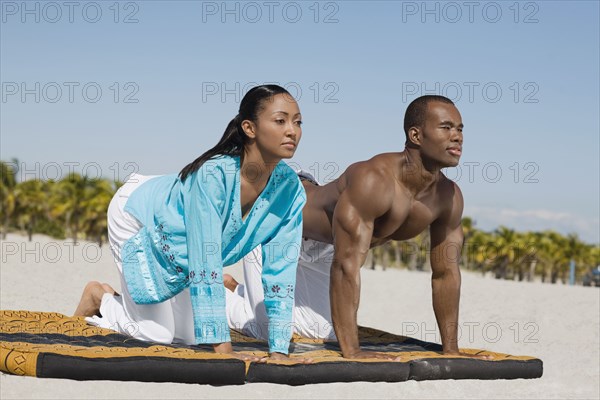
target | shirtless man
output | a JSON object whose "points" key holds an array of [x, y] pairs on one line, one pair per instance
{"points": [[392, 196]]}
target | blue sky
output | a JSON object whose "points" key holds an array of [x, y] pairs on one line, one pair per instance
{"points": [[112, 87]]}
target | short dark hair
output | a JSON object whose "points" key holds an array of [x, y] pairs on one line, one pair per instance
{"points": [[417, 109]]}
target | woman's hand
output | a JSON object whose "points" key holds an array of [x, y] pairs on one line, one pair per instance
{"points": [[288, 359], [226, 348]]}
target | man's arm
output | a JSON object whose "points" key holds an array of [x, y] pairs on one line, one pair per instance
{"points": [[366, 197], [446, 245]]}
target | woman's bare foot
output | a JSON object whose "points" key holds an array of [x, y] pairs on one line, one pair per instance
{"points": [[229, 282], [91, 298]]}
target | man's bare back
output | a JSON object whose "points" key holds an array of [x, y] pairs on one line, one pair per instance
{"points": [[395, 196]]}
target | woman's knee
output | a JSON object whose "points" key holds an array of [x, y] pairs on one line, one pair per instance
{"points": [[152, 331], [157, 322]]}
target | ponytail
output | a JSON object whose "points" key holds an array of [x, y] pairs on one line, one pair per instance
{"points": [[232, 144], [234, 140]]}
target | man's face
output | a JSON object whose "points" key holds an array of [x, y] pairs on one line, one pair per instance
{"points": [[441, 135]]}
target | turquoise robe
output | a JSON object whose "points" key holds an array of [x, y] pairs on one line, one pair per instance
{"points": [[192, 229]]}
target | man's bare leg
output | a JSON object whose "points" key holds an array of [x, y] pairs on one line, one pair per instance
{"points": [[229, 282], [91, 298]]}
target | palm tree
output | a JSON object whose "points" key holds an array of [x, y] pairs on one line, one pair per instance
{"points": [[524, 249], [396, 250], [31, 203], [68, 202], [508, 246], [8, 181], [95, 203], [423, 242], [477, 249], [557, 255], [540, 258], [535, 254], [589, 259], [468, 227], [575, 251]]}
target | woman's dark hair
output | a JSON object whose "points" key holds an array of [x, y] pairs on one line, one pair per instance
{"points": [[234, 139]]}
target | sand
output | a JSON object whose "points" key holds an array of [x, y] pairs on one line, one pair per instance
{"points": [[559, 324]]}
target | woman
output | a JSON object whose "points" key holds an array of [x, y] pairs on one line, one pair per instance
{"points": [[171, 235]]}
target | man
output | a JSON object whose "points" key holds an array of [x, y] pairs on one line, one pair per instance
{"points": [[393, 196]]}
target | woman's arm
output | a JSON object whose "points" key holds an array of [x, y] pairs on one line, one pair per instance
{"points": [[280, 261], [202, 216]]}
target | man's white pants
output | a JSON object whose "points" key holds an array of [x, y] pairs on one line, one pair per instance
{"points": [[311, 315]]}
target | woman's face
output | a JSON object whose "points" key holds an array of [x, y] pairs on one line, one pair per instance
{"points": [[278, 129]]}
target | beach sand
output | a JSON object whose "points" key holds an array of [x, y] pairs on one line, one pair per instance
{"points": [[557, 323]]}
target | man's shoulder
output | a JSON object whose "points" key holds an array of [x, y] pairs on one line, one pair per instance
{"points": [[449, 199], [447, 188], [378, 170], [371, 185]]}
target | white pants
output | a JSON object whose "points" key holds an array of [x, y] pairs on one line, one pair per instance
{"points": [[166, 322], [312, 314]]}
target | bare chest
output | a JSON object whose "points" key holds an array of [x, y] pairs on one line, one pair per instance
{"points": [[406, 219]]}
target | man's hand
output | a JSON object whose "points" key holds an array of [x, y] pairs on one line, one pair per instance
{"points": [[461, 354], [361, 355]]}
